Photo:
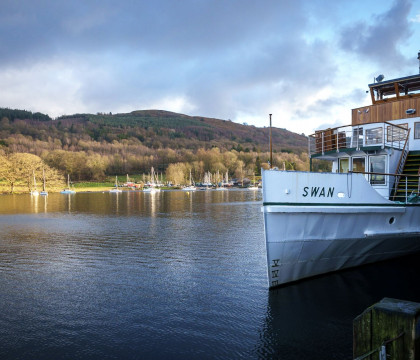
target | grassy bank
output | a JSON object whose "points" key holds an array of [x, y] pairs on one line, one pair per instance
{"points": [[93, 186], [20, 188]]}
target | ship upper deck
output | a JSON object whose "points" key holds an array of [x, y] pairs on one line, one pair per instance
{"points": [[391, 100], [391, 121], [395, 89]]}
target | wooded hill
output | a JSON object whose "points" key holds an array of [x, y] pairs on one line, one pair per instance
{"points": [[161, 129], [90, 146]]}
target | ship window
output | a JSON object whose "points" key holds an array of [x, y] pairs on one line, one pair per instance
{"points": [[374, 136], [377, 164], [394, 133], [359, 164], [344, 165], [417, 130], [357, 140]]}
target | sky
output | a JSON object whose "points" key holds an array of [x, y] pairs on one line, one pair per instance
{"points": [[307, 62]]}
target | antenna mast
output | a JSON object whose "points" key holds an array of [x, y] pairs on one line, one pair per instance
{"points": [[271, 147], [418, 57]]}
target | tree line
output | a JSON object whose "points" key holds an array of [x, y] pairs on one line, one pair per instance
{"points": [[25, 169], [90, 166], [94, 147]]}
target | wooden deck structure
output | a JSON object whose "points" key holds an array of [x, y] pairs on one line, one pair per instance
{"points": [[391, 100]]}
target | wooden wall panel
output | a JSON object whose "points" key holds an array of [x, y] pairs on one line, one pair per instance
{"points": [[385, 111]]}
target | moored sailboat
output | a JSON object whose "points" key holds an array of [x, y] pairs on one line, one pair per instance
{"points": [[219, 183], [151, 186], [253, 186], [68, 190], [44, 189], [116, 189], [191, 186]]}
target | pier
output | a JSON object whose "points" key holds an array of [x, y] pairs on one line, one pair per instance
{"points": [[389, 329]]}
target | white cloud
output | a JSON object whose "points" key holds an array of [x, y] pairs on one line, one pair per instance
{"points": [[51, 88], [416, 19], [226, 60]]}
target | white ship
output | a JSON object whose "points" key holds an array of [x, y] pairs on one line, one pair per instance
{"points": [[367, 209]]}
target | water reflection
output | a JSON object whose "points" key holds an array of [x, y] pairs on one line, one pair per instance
{"points": [[310, 319], [34, 203], [130, 203], [117, 275], [119, 272]]}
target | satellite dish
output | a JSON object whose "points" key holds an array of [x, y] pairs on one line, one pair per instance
{"points": [[380, 78]]}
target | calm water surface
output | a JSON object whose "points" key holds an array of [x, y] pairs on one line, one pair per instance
{"points": [[175, 275]]}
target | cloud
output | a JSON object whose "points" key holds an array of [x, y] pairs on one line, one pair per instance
{"points": [[380, 40], [52, 88], [59, 27], [416, 19], [224, 59]]}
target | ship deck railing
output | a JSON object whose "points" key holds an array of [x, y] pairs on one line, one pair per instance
{"points": [[404, 188], [366, 137]]}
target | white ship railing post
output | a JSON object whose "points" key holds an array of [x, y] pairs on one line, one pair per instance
{"points": [[336, 140], [383, 136]]}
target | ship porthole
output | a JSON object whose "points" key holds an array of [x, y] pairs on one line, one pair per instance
{"points": [[391, 220]]}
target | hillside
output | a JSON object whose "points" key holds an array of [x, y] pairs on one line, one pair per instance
{"points": [[158, 128], [91, 146], [154, 128]]}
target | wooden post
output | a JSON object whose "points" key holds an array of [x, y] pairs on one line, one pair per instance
{"points": [[390, 327]]}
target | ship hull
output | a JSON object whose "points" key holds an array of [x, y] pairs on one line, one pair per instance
{"points": [[306, 237]]}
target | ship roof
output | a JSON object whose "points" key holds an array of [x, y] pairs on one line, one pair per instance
{"points": [[407, 84]]}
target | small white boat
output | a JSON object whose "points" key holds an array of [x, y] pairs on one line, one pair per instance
{"points": [[219, 182], [44, 191], [116, 189], [151, 186], [151, 189], [68, 190], [367, 209], [253, 186], [191, 186]]}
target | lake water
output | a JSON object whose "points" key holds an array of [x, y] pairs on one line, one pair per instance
{"points": [[173, 275]]}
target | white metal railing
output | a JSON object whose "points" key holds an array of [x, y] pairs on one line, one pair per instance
{"points": [[418, 185], [403, 188], [355, 137], [402, 160]]}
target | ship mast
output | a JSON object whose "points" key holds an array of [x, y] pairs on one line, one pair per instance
{"points": [[418, 58], [271, 147]]}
